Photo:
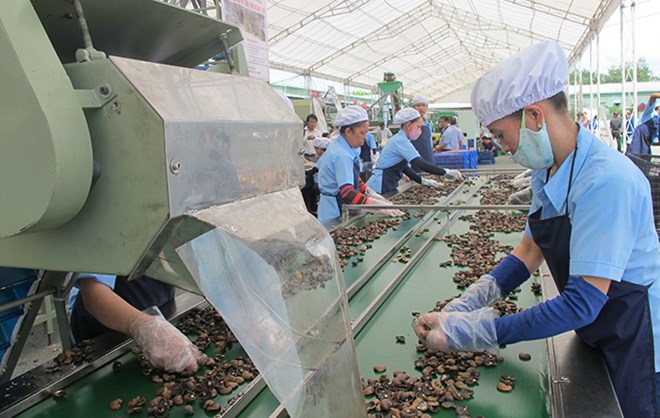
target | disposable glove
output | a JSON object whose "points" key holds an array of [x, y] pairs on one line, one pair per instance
{"points": [[481, 293], [369, 192], [458, 331], [453, 174], [164, 345], [430, 182], [521, 197], [388, 212]]}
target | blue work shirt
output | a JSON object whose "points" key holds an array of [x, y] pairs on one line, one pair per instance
{"points": [[335, 170], [452, 137], [613, 233], [106, 279], [397, 149]]}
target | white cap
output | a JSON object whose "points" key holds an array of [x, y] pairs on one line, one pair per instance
{"points": [[534, 74], [322, 143], [406, 115], [420, 98], [350, 115]]}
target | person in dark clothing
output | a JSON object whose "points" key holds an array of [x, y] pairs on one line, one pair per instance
{"points": [[423, 144], [488, 144], [616, 129]]}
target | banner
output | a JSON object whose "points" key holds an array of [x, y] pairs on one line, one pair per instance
{"points": [[250, 15]]}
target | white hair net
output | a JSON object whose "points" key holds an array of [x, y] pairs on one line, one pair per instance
{"points": [[350, 115], [405, 115], [420, 98], [322, 143], [534, 74]]}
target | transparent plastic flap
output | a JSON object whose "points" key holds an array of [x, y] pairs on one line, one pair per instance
{"points": [[270, 269]]}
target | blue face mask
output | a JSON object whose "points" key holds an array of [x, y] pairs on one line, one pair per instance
{"points": [[534, 149]]}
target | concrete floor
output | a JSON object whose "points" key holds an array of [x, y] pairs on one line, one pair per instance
{"points": [[40, 347]]}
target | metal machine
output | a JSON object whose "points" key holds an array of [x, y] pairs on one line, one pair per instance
{"points": [[119, 158]]}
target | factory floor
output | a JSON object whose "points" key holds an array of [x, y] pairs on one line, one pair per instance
{"points": [[40, 347]]}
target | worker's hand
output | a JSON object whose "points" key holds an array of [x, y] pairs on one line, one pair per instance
{"points": [[369, 192], [458, 331], [164, 345], [310, 137], [453, 174], [430, 182], [481, 293], [388, 212]]}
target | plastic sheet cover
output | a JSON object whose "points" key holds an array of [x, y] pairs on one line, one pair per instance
{"points": [[271, 271]]}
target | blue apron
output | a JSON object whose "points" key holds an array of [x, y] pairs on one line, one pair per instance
{"points": [[622, 331], [356, 185], [365, 153], [391, 176]]}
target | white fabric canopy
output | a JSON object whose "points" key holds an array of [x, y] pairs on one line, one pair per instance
{"points": [[435, 47]]}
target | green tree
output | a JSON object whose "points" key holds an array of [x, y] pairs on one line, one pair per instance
{"points": [[613, 75]]}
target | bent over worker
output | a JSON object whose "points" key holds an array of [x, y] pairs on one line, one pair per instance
{"points": [[339, 169], [607, 276], [400, 157]]}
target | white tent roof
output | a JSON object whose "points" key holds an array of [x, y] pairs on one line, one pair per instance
{"points": [[434, 46]]}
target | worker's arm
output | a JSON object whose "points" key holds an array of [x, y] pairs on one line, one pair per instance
{"points": [[577, 306], [164, 345], [650, 107], [421, 164], [106, 306], [510, 273]]}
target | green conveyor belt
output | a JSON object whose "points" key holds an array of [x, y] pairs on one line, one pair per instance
{"points": [[421, 287], [90, 396]]}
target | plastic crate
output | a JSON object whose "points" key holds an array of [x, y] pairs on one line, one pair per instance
{"points": [[456, 159], [486, 157], [650, 166], [14, 284]]}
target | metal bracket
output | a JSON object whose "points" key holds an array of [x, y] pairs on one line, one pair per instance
{"points": [[95, 98]]}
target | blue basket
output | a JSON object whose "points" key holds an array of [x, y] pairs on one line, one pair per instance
{"points": [[456, 159], [14, 284], [486, 157]]}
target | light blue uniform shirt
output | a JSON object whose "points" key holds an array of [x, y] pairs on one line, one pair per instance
{"points": [[452, 137], [106, 279], [335, 170], [371, 141], [613, 233], [397, 149]]}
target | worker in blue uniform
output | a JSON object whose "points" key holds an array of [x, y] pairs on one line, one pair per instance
{"points": [[100, 303], [400, 157], [368, 148], [591, 219], [452, 136], [339, 168], [423, 144]]}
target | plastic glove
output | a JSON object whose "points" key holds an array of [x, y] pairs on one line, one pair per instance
{"points": [[521, 197], [521, 182], [481, 293], [430, 182], [453, 174], [458, 331], [389, 212], [164, 345], [369, 192]]}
